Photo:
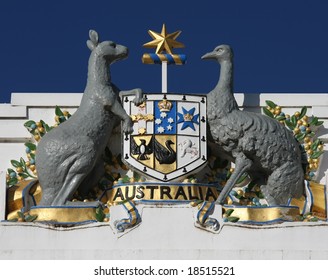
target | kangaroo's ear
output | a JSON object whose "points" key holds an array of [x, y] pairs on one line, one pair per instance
{"points": [[90, 45], [94, 37]]}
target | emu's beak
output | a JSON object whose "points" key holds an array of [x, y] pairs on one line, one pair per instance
{"points": [[209, 55]]}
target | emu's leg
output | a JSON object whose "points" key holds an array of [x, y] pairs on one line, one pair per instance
{"points": [[242, 164]]}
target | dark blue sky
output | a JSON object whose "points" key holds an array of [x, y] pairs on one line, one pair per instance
{"points": [[280, 46]]}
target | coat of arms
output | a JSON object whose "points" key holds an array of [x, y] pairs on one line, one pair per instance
{"points": [[169, 138]]}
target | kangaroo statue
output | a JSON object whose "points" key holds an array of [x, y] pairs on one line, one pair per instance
{"points": [[66, 155]]}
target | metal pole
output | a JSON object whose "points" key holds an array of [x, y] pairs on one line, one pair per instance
{"points": [[164, 76]]}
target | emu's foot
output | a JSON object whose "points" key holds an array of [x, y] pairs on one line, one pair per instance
{"points": [[127, 126], [203, 218], [212, 224]]}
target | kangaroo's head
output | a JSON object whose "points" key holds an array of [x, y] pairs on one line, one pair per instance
{"points": [[110, 51]]}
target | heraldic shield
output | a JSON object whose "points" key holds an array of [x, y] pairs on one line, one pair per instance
{"points": [[169, 138]]}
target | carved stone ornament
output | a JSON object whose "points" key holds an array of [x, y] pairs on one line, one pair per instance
{"points": [[228, 165]]}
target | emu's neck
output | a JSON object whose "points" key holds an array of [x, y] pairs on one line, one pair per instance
{"points": [[222, 94], [226, 77], [98, 69]]}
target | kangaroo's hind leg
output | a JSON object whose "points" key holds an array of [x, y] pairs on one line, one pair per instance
{"points": [[69, 187], [79, 167], [92, 178]]}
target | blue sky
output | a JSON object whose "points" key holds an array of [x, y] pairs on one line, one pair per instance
{"points": [[279, 46]]}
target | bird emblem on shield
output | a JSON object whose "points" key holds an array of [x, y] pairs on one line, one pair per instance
{"points": [[169, 138]]}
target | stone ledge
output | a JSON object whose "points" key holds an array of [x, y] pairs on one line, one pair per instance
{"points": [[46, 99]]}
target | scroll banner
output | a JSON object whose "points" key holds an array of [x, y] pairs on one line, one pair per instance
{"points": [[165, 193], [65, 214], [161, 193]]}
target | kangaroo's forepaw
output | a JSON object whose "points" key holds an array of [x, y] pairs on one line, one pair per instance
{"points": [[138, 97], [127, 126], [138, 101]]}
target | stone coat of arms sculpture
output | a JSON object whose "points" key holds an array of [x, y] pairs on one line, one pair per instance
{"points": [[173, 149]]}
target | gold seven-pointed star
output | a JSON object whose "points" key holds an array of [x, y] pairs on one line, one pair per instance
{"points": [[163, 41]]}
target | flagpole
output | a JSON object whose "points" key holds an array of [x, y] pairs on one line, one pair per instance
{"points": [[164, 76]]}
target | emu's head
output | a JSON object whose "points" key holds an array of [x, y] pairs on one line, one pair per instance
{"points": [[220, 53], [110, 51]]}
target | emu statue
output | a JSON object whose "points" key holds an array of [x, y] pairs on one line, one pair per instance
{"points": [[258, 145]]}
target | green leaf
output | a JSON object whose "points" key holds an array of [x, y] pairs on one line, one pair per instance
{"points": [[294, 120], [43, 123], [32, 155], [316, 154], [20, 215], [267, 112], [315, 144], [242, 178], [303, 112], [228, 212], [22, 161], [9, 170], [58, 112], [299, 218], [12, 181], [136, 175], [300, 136], [289, 125], [47, 128], [318, 123], [23, 175], [260, 195], [13, 220], [280, 118], [313, 121], [233, 219], [30, 218], [15, 163], [30, 145], [29, 123], [126, 179], [271, 104], [100, 215]]}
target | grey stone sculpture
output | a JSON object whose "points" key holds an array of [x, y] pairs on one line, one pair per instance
{"points": [[68, 157], [257, 144]]}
